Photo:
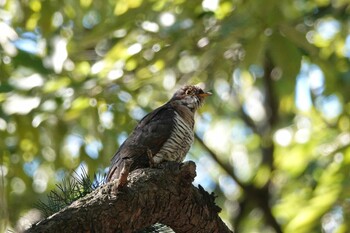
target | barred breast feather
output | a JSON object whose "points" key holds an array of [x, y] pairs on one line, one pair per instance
{"points": [[179, 142]]}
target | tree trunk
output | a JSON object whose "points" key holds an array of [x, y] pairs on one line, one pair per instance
{"points": [[151, 195]]}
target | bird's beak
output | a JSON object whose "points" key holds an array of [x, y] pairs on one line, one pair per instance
{"points": [[205, 94]]}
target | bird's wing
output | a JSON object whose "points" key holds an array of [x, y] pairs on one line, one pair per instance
{"points": [[150, 134]]}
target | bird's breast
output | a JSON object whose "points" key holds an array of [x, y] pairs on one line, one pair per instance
{"points": [[179, 142]]}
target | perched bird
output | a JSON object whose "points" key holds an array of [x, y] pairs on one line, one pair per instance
{"points": [[165, 134]]}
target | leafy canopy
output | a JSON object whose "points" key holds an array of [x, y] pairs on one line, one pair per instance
{"points": [[273, 142]]}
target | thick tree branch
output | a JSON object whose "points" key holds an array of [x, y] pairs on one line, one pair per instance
{"points": [[151, 195]]}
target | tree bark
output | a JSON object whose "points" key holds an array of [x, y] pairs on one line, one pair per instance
{"points": [[151, 195]]}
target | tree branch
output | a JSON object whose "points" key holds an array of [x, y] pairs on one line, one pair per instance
{"points": [[151, 195], [226, 166], [259, 196]]}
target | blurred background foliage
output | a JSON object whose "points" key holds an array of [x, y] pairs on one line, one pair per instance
{"points": [[272, 143]]}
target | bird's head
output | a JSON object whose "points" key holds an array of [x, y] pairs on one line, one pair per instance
{"points": [[190, 96]]}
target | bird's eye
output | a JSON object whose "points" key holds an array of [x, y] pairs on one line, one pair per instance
{"points": [[187, 92]]}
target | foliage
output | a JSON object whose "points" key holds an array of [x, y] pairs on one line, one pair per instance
{"points": [[272, 143], [68, 191]]}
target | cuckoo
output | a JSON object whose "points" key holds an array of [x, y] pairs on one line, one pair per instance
{"points": [[165, 134]]}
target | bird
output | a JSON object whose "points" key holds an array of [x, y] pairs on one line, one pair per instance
{"points": [[165, 134]]}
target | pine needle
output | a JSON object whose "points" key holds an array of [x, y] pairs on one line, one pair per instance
{"points": [[69, 190]]}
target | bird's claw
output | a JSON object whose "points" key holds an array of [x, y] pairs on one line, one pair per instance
{"points": [[123, 179], [150, 158], [171, 165]]}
